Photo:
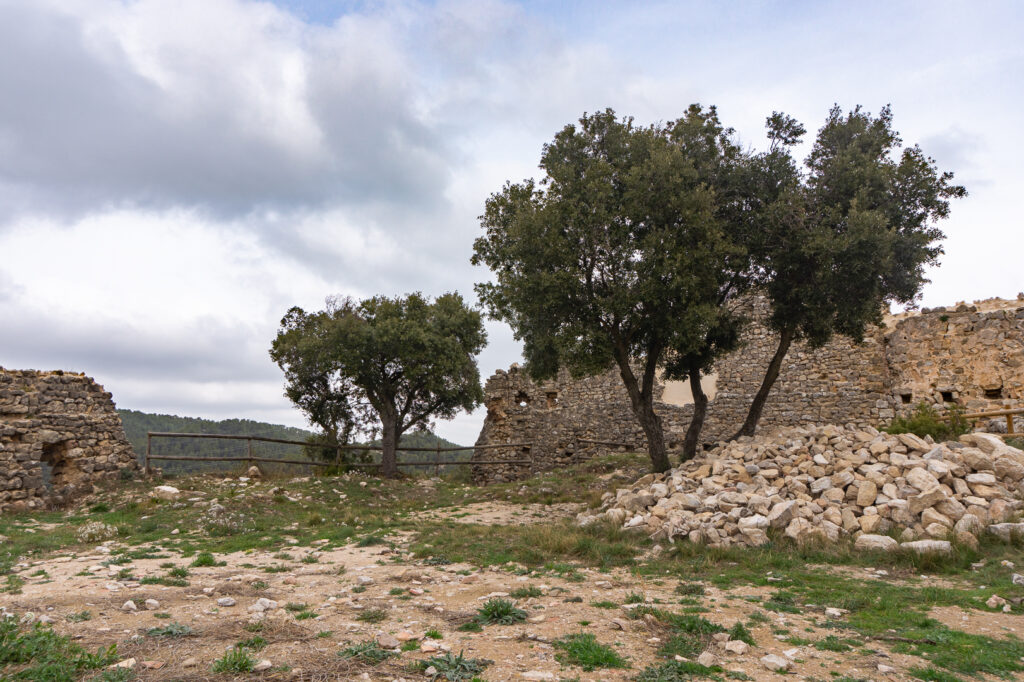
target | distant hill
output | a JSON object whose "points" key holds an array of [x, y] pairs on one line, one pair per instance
{"points": [[138, 424]]}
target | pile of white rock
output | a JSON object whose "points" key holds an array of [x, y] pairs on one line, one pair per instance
{"points": [[827, 482]]}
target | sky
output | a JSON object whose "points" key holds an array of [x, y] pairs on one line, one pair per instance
{"points": [[176, 174]]}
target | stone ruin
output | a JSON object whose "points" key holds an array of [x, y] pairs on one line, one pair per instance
{"points": [[59, 434], [970, 355]]}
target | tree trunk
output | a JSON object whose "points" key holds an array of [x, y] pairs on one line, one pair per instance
{"points": [[770, 375], [642, 401], [700, 412], [389, 445]]}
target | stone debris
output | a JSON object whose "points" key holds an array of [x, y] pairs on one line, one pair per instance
{"points": [[225, 601], [165, 492], [129, 606], [775, 663], [262, 665], [828, 482]]}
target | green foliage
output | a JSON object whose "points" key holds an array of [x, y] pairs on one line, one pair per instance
{"points": [[471, 626], [678, 671], [170, 630], [79, 617], [453, 667], [525, 592], [204, 559], [584, 650], [387, 363], [831, 248], [739, 631], [367, 652], [925, 421], [621, 256], [498, 611], [237, 660], [255, 643], [433, 634], [41, 654]]}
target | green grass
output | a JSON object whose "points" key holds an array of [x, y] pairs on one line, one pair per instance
{"points": [[295, 607], [79, 617], [739, 631], [471, 626], [367, 652], [453, 667], [255, 643], [498, 611], [38, 653], [526, 592], [433, 634], [604, 605], [206, 559], [237, 660], [583, 650]]}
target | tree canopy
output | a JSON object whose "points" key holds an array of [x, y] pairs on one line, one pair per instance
{"points": [[620, 256], [841, 241], [392, 364]]}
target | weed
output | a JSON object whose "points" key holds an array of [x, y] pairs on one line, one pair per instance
{"points": [[255, 643], [584, 650], [635, 598], [925, 421], [497, 611], [931, 674], [395, 591], [79, 617], [358, 589], [178, 572], [367, 652], [295, 607], [14, 584], [205, 559], [305, 615], [372, 616], [162, 616], [690, 589], [168, 582], [411, 645], [324, 634], [471, 626], [258, 585], [604, 605], [678, 671], [170, 630], [832, 643], [526, 592], [275, 569], [453, 667], [254, 627], [310, 559], [433, 634], [237, 660], [739, 631]]}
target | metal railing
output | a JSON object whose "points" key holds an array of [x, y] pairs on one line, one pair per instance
{"points": [[253, 459]]}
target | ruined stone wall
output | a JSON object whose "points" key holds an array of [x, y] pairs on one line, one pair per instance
{"points": [[59, 434], [973, 355]]}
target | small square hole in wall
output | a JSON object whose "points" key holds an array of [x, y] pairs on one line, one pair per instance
{"points": [[947, 396], [552, 398], [994, 393], [906, 398]]}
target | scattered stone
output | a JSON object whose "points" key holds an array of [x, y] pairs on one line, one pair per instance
{"points": [[737, 646], [535, 675], [775, 663], [263, 605], [387, 641], [189, 663], [262, 665], [126, 664], [707, 659], [129, 606], [165, 492], [225, 601], [153, 665], [928, 546], [878, 542], [995, 602], [151, 604]]}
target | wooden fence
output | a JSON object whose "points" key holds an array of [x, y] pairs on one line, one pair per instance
{"points": [[252, 459], [1010, 433]]}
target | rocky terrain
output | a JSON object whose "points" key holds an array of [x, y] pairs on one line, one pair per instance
{"points": [[427, 579], [884, 491]]}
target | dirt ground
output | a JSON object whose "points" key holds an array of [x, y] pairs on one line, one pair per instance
{"points": [[414, 598]]}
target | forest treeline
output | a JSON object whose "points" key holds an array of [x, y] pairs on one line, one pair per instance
{"points": [[138, 424]]}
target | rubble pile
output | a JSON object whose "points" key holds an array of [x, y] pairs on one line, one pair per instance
{"points": [[827, 482]]}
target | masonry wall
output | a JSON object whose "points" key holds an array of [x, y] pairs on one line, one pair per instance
{"points": [[973, 355], [59, 434]]}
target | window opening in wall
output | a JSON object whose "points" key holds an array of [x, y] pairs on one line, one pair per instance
{"points": [[54, 464], [522, 399], [994, 393], [552, 399], [906, 398], [947, 396]]}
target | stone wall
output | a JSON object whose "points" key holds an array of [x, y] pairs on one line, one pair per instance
{"points": [[59, 434], [973, 355]]}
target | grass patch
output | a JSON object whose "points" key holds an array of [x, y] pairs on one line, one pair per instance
{"points": [[79, 617], [681, 671], [38, 653], [372, 616], [604, 605], [526, 592], [256, 643], [583, 650], [237, 660], [433, 634], [205, 559]]}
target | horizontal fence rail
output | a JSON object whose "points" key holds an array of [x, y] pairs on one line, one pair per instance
{"points": [[1009, 413], [250, 457]]}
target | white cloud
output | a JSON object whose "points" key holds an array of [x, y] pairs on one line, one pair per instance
{"points": [[175, 175]]}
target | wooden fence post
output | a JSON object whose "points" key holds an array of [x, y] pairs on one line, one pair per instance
{"points": [[149, 449], [1009, 423]]}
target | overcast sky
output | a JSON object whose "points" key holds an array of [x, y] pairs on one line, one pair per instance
{"points": [[174, 175]]}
